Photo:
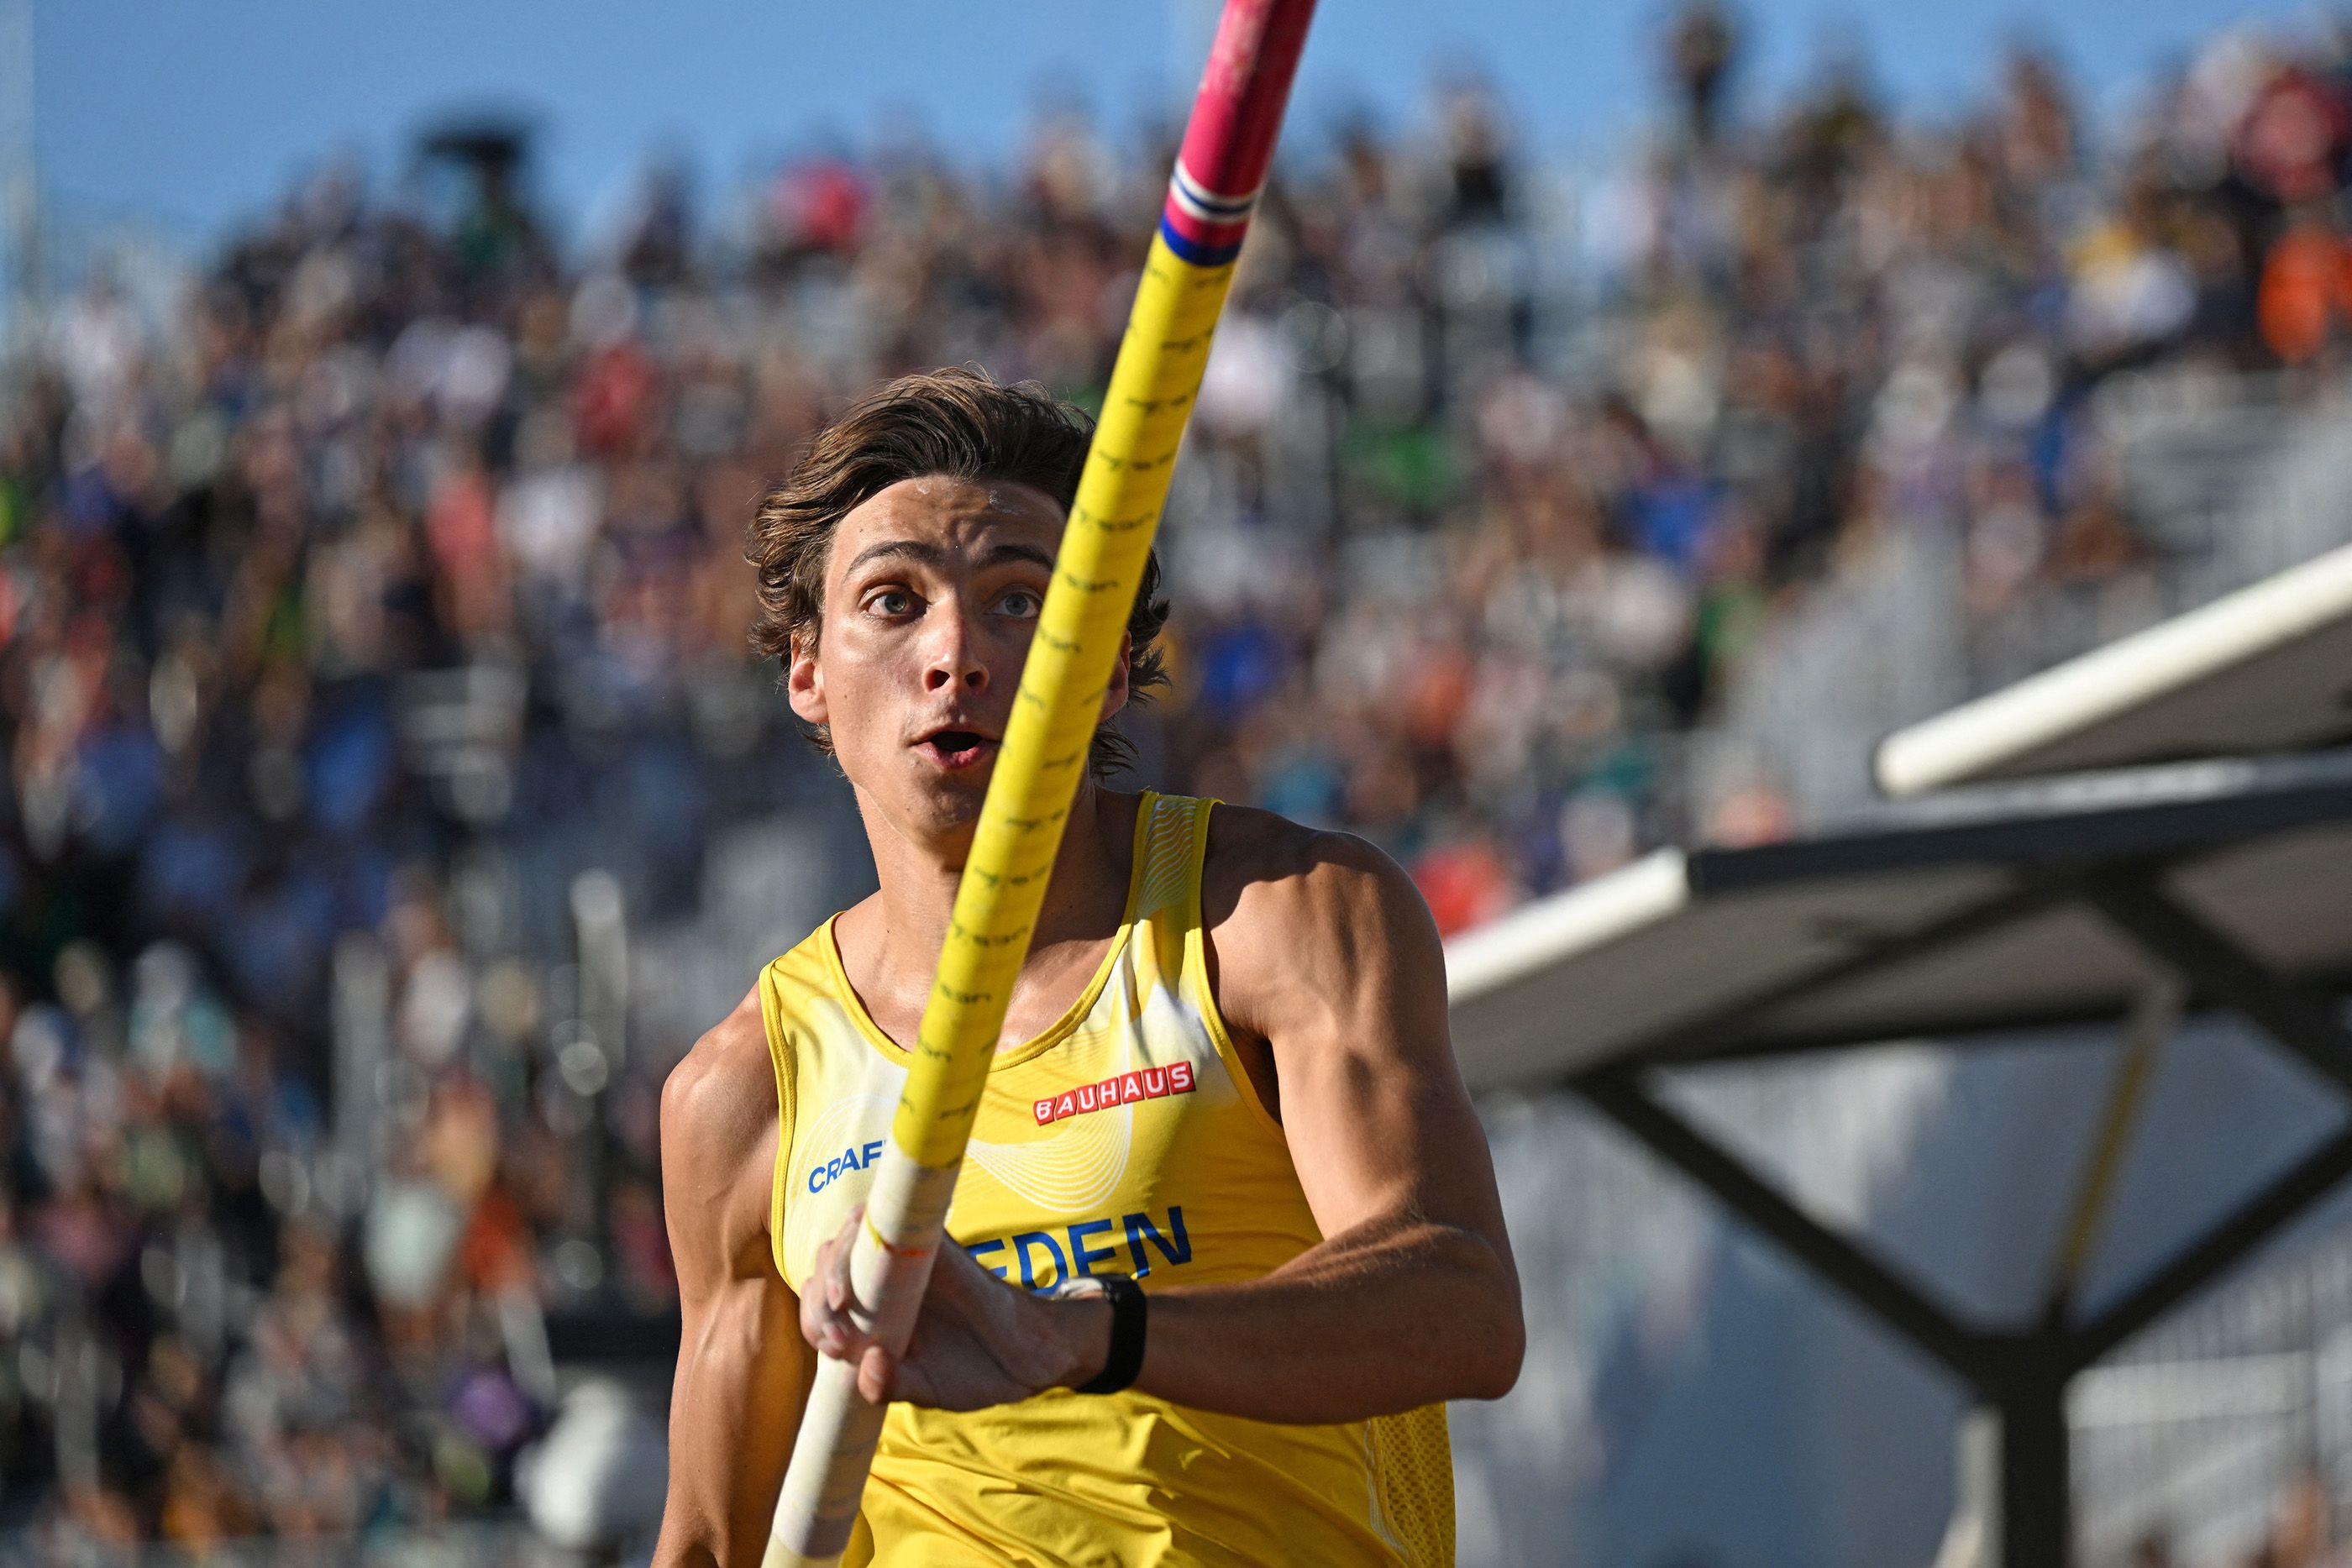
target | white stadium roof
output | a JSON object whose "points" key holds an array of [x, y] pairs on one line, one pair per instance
{"points": [[1951, 918], [2266, 669]]}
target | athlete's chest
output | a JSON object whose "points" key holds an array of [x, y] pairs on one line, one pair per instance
{"points": [[1107, 1149], [1048, 991]]}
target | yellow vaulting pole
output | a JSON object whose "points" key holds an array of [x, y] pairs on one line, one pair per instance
{"points": [[1228, 144]]}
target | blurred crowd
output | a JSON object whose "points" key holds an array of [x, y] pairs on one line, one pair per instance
{"points": [[375, 617]]}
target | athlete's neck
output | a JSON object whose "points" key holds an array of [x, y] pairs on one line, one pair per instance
{"points": [[897, 935]]}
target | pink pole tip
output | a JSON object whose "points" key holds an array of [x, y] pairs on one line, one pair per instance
{"points": [[1230, 142]]}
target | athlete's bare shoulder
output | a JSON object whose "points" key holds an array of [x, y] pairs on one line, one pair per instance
{"points": [[1286, 903], [1260, 865], [718, 1133]]}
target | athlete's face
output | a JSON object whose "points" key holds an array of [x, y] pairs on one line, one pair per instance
{"points": [[931, 592]]}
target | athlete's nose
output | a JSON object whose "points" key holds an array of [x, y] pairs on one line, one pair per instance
{"points": [[953, 657]]}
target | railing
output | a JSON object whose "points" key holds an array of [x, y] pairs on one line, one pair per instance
{"points": [[2211, 1422]]}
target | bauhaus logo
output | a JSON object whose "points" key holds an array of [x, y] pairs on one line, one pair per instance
{"points": [[1147, 1083]]}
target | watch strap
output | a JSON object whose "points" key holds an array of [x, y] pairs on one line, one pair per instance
{"points": [[1128, 1317]]}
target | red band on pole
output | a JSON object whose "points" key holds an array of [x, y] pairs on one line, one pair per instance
{"points": [[1230, 140]]}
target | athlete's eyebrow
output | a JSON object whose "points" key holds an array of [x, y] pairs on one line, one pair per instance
{"points": [[916, 550], [998, 554], [924, 553]]}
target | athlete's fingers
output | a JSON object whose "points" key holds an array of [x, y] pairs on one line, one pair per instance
{"points": [[840, 1295], [836, 1279], [825, 1319], [816, 1311], [819, 1318], [874, 1377], [831, 1331]]}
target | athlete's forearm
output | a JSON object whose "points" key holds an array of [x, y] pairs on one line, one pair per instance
{"points": [[742, 1372], [1389, 1316], [735, 1406]]}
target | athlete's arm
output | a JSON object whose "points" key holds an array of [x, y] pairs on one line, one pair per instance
{"points": [[1326, 961], [742, 1366], [1333, 982]]}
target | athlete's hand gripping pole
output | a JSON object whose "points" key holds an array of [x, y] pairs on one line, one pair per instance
{"points": [[1228, 144]]}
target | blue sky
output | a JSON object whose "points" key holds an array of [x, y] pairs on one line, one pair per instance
{"points": [[189, 114]]}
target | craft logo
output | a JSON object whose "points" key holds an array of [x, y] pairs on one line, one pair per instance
{"points": [[852, 1158], [1149, 1083]]}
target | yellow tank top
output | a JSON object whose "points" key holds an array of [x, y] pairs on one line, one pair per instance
{"points": [[1125, 1138]]}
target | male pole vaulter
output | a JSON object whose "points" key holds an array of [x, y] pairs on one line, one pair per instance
{"points": [[1219, 1043], [1225, 1072]]}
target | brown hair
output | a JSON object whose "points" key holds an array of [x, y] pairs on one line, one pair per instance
{"points": [[952, 424]]}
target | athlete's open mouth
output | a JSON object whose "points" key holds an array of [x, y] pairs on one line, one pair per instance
{"points": [[956, 748]]}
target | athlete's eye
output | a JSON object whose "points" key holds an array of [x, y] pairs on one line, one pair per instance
{"points": [[1021, 603], [892, 603]]}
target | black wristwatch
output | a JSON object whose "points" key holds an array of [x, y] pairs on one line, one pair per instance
{"points": [[1127, 1324]]}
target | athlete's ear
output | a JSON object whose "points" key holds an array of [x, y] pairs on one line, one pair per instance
{"points": [[1114, 695], [804, 682]]}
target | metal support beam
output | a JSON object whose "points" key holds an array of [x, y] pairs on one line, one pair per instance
{"points": [[2153, 1021], [2036, 1526], [2024, 1520], [1878, 1288], [2254, 1222], [2304, 1025], [2021, 1378], [2169, 931]]}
